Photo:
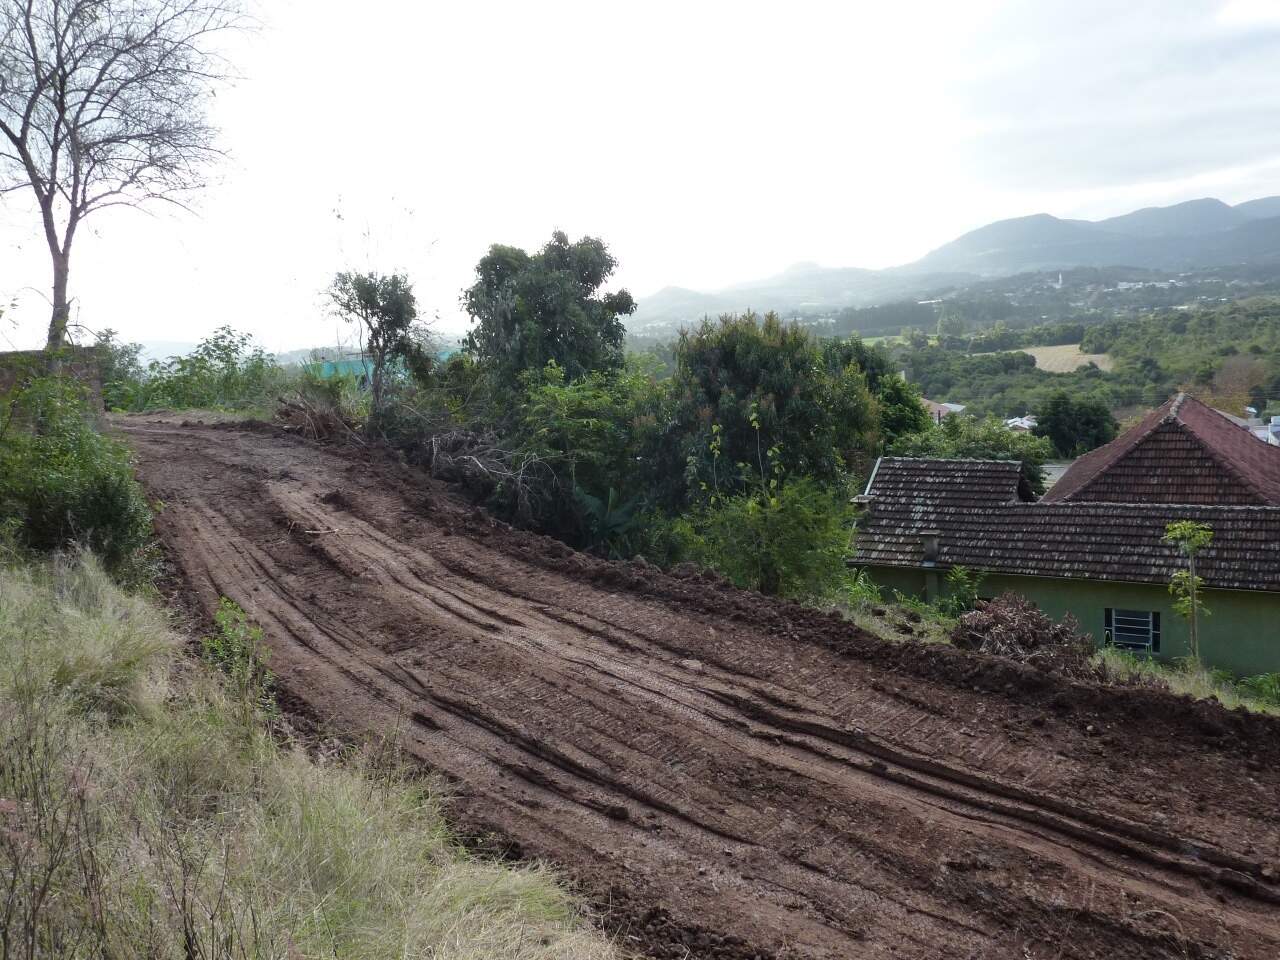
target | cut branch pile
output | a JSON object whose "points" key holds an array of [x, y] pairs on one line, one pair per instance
{"points": [[524, 482], [1012, 626]]}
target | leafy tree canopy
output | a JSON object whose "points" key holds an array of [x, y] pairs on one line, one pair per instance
{"points": [[1074, 427], [901, 412], [968, 438], [745, 385], [530, 309], [387, 312]]}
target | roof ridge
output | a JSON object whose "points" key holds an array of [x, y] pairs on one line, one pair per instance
{"points": [[1016, 460]]}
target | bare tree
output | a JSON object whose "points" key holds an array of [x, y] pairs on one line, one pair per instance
{"points": [[103, 103]]}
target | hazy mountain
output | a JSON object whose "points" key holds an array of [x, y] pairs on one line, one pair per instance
{"points": [[1181, 219], [803, 287], [1259, 209], [1197, 234]]}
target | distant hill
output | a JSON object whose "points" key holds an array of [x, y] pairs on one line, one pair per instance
{"points": [[805, 287], [1195, 234]]}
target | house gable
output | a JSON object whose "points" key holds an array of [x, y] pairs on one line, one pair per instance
{"points": [[1182, 452]]}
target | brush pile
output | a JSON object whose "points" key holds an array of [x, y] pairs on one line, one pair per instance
{"points": [[1012, 626]]}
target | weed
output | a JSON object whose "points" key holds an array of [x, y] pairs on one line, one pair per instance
{"points": [[237, 649]]}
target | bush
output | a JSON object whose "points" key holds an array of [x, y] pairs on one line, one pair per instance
{"points": [[1264, 687], [238, 651], [62, 482], [226, 371], [790, 540]]}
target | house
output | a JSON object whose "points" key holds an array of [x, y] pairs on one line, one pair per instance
{"points": [[1022, 424], [1093, 546], [940, 410]]}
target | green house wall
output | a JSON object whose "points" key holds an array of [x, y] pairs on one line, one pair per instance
{"points": [[1241, 634]]}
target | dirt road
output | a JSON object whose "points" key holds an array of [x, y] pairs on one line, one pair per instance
{"points": [[728, 776]]}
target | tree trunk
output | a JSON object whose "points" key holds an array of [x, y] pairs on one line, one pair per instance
{"points": [[57, 338], [1195, 604]]}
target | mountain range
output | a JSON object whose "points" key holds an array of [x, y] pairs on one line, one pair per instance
{"points": [[1196, 234]]}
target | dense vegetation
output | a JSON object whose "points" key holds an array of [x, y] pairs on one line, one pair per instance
{"points": [[1228, 354], [61, 481], [715, 447]]}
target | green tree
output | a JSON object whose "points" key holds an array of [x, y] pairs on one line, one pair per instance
{"points": [[744, 385], [968, 438], [386, 310], [532, 309], [788, 540], [951, 324], [1074, 426], [1191, 538], [901, 412], [589, 433]]}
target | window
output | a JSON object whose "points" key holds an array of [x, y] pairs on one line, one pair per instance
{"points": [[1136, 630]]}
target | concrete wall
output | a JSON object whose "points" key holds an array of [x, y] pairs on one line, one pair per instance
{"points": [[1241, 634]]}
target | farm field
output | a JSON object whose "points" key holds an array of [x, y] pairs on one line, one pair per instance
{"points": [[1067, 357], [725, 775]]}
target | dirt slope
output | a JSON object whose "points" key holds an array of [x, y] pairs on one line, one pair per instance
{"points": [[725, 775]]}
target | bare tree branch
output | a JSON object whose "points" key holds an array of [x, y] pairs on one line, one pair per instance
{"points": [[103, 103]]}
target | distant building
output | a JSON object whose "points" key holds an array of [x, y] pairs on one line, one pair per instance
{"points": [[1022, 424], [940, 410], [1093, 545]]}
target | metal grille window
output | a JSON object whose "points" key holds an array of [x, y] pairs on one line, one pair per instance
{"points": [[1137, 630]]}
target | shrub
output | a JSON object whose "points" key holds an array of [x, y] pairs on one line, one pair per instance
{"points": [[226, 371], [790, 540], [962, 592], [62, 482], [1264, 687], [238, 651]]}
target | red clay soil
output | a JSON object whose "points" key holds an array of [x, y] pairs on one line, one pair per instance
{"points": [[723, 774]]}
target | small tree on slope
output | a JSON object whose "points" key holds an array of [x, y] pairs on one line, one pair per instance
{"points": [[1190, 538]]}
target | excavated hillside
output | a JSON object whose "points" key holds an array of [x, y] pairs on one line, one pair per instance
{"points": [[722, 774]]}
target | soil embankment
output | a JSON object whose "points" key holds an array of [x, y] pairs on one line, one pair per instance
{"points": [[728, 776]]}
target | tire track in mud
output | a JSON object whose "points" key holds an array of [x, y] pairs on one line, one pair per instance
{"points": [[724, 788]]}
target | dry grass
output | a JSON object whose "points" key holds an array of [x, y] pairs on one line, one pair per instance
{"points": [[1067, 357], [144, 811]]}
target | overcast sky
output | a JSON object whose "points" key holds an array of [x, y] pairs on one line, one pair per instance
{"points": [[707, 143]]}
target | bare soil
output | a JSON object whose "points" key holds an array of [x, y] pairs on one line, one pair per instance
{"points": [[726, 775]]}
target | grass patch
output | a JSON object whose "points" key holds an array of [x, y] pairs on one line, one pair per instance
{"points": [[145, 810], [907, 618], [1258, 694]]}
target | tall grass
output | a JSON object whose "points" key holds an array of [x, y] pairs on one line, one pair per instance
{"points": [[1193, 680], [146, 811]]}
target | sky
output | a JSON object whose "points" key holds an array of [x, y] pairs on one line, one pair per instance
{"points": [[707, 143]]}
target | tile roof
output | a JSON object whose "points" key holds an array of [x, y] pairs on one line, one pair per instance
{"points": [[1181, 452], [981, 523]]}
